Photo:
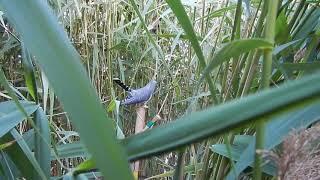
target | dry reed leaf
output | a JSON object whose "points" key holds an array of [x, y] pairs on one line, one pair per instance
{"points": [[300, 155]]}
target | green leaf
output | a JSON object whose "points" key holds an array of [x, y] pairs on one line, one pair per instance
{"points": [[235, 49], [308, 68], [185, 22], [10, 171], [144, 26], [219, 12], [42, 141], [283, 125], [22, 156], [186, 169], [28, 136], [222, 150], [282, 30], [236, 152], [12, 92], [40, 151], [5, 145], [283, 47], [242, 140], [61, 64], [10, 115], [219, 119], [308, 26], [112, 105], [70, 150], [29, 73], [84, 166]]}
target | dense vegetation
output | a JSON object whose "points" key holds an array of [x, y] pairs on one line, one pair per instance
{"points": [[234, 79]]}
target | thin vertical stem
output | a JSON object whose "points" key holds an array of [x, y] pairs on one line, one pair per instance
{"points": [[296, 14], [266, 73], [250, 66], [269, 36], [140, 123], [178, 173]]}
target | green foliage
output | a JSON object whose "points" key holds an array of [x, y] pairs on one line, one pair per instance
{"points": [[228, 116], [57, 56], [284, 124], [235, 49], [11, 116], [58, 59]]}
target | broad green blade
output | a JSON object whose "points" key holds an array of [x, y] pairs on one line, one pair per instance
{"points": [[308, 68], [235, 49], [28, 136], [236, 152], [10, 115], [70, 150], [9, 169], [242, 140], [22, 156], [285, 46], [219, 119], [42, 142], [61, 64]]}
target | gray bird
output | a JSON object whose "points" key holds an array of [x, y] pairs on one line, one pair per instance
{"points": [[137, 96]]}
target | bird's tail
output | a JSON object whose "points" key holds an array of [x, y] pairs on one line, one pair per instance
{"points": [[121, 84]]}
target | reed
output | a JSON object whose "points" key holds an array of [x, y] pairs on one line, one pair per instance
{"points": [[233, 77]]}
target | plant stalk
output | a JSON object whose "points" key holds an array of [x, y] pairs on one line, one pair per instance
{"points": [[139, 127], [266, 74]]}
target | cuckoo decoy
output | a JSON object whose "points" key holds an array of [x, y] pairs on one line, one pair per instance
{"points": [[137, 96]]}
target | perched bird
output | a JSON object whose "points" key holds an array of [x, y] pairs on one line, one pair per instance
{"points": [[137, 96]]}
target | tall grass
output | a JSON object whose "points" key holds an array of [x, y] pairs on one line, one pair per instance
{"points": [[234, 77]]}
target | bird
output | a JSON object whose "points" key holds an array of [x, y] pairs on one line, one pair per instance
{"points": [[137, 96]]}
